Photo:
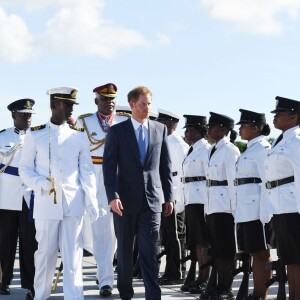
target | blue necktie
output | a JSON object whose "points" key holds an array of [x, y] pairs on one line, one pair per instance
{"points": [[142, 144]]}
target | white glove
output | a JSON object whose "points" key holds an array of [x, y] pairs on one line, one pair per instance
{"points": [[93, 213], [46, 185], [102, 212]]}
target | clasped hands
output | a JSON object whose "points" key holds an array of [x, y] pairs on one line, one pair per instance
{"points": [[117, 207]]}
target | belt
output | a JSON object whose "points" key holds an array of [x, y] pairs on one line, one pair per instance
{"points": [[240, 181], [216, 182], [192, 179], [10, 170], [275, 183], [174, 173], [97, 160]]}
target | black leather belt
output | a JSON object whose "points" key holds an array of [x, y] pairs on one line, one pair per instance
{"points": [[174, 173], [275, 183], [240, 181], [192, 179], [217, 182]]}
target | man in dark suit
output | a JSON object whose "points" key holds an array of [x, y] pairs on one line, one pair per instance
{"points": [[138, 180]]}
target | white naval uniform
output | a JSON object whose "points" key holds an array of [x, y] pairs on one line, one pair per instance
{"points": [[195, 164], [248, 196], [103, 234], [221, 166], [59, 225], [178, 150], [283, 161], [12, 189]]}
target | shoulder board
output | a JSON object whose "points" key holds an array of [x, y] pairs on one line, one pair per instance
{"points": [[123, 114], [37, 127], [74, 127], [2, 130], [84, 116]]}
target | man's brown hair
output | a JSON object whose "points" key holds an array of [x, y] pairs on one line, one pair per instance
{"points": [[134, 94]]}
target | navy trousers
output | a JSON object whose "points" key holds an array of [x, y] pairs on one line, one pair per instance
{"points": [[145, 225]]}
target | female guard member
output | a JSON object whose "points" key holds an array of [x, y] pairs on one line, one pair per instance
{"points": [[250, 189]]}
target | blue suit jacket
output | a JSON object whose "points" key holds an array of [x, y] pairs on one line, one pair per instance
{"points": [[124, 175]]}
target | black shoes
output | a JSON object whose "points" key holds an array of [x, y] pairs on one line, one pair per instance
{"points": [[4, 289], [197, 288], [226, 295], [164, 280], [106, 291], [30, 295]]}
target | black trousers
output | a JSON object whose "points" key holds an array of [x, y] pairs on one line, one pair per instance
{"points": [[13, 225], [170, 240]]}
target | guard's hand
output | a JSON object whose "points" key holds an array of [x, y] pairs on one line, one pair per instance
{"points": [[102, 212], [46, 185], [168, 208], [116, 206], [93, 213]]}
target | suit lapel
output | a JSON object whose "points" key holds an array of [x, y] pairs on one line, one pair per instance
{"points": [[152, 138], [131, 140]]}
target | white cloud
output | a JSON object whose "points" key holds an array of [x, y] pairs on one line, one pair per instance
{"points": [[17, 44], [81, 29], [254, 16], [75, 27], [162, 39]]}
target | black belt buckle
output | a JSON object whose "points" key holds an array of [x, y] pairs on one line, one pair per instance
{"points": [[236, 182]]}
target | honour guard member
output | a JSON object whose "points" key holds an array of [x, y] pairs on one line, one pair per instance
{"points": [[250, 191], [282, 171], [56, 164], [169, 225], [195, 195], [96, 126], [223, 155], [15, 201]]}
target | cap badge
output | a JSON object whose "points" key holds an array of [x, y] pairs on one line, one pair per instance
{"points": [[27, 104], [73, 94]]}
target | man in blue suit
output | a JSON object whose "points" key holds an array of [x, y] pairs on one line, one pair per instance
{"points": [[138, 180]]}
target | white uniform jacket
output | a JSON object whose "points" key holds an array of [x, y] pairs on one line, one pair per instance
{"points": [[283, 161], [221, 166], [97, 133], [195, 164], [66, 152], [251, 164], [178, 150], [12, 189]]}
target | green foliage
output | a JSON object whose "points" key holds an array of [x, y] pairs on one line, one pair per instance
{"points": [[241, 146]]}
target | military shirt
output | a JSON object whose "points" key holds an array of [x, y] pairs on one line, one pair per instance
{"points": [[12, 189]]}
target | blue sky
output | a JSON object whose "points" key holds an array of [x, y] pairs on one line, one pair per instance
{"points": [[195, 55]]}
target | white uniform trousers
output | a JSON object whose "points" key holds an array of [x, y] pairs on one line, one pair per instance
{"points": [[104, 247], [87, 235], [65, 235]]}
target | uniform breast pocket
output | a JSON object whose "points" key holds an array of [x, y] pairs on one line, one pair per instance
{"points": [[251, 199], [215, 170], [287, 198]]}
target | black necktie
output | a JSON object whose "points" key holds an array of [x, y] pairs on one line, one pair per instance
{"points": [[212, 151], [190, 151], [278, 139]]}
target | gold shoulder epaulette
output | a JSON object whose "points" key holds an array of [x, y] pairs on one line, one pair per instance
{"points": [[84, 116], [37, 127], [2, 130], [123, 114], [76, 128]]}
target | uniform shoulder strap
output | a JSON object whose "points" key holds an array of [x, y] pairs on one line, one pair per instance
{"points": [[37, 127], [84, 116]]}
